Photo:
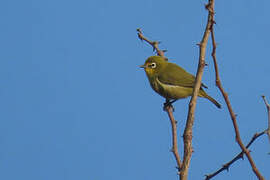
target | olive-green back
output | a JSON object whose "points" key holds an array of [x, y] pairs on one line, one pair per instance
{"points": [[173, 74]]}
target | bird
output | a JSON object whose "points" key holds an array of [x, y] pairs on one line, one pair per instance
{"points": [[171, 81]]}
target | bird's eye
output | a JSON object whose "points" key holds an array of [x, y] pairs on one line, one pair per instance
{"points": [[153, 65]]}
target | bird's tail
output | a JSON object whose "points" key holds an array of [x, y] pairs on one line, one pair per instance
{"points": [[213, 101]]}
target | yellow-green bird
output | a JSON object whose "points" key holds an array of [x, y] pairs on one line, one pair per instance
{"points": [[171, 81]]}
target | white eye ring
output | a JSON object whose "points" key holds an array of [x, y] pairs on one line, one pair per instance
{"points": [[153, 65]]}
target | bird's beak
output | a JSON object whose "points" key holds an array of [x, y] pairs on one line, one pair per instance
{"points": [[142, 66]]}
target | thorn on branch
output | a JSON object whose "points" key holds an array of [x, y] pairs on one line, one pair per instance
{"points": [[139, 30], [207, 177], [209, 8], [242, 156], [155, 43], [226, 167], [139, 33]]}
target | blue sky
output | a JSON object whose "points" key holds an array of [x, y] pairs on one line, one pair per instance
{"points": [[75, 105]]}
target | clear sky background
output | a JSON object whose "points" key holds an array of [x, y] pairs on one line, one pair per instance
{"points": [[76, 106]]}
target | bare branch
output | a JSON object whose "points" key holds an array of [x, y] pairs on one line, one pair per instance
{"points": [[192, 104], [232, 114], [237, 157], [154, 44], [267, 131], [168, 109]]}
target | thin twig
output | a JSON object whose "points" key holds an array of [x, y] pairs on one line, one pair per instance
{"points": [[233, 116], [154, 44], [267, 131], [192, 104], [237, 157], [240, 155], [168, 109]]}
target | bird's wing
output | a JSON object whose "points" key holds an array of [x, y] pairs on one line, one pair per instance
{"points": [[175, 75]]}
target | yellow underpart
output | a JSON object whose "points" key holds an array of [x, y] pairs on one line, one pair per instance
{"points": [[172, 91]]}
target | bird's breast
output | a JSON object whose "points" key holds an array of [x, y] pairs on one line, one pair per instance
{"points": [[169, 91]]}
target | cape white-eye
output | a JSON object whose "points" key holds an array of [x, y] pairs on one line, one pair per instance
{"points": [[171, 81]]}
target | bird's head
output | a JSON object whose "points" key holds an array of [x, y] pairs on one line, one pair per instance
{"points": [[153, 65]]}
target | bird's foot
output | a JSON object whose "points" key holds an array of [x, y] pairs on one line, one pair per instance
{"points": [[168, 104]]}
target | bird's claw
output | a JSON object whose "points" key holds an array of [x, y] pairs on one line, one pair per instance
{"points": [[167, 105]]}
